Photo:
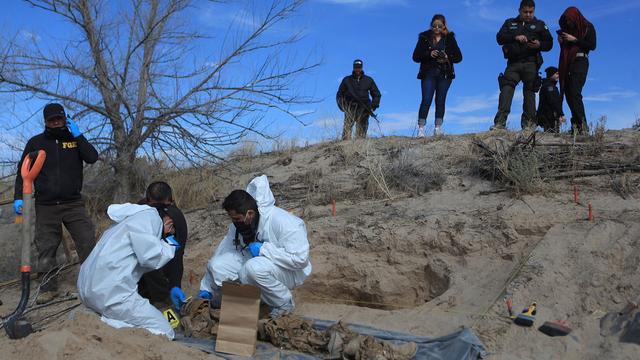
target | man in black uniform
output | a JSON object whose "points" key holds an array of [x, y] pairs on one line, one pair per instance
{"points": [[522, 39], [353, 99], [157, 285], [550, 114], [57, 192]]}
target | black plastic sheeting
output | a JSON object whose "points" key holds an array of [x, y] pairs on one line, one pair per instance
{"points": [[461, 345]]}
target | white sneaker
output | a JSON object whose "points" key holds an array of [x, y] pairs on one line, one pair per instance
{"points": [[438, 131], [421, 133]]}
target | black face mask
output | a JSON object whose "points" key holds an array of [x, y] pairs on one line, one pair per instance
{"points": [[60, 133], [249, 231]]}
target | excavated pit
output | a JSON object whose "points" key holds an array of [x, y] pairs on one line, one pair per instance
{"points": [[375, 285]]}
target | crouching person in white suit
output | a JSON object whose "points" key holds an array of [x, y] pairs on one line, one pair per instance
{"points": [[265, 246], [108, 279]]}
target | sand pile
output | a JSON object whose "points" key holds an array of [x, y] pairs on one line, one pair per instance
{"points": [[420, 243]]}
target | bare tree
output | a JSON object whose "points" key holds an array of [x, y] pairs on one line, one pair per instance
{"points": [[141, 80]]}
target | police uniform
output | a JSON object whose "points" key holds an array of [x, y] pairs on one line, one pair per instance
{"points": [[522, 65], [550, 107]]}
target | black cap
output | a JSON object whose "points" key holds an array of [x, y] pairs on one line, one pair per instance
{"points": [[53, 110], [357, 63], [550, 71]]}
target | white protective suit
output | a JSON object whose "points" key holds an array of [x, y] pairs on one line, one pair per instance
{"points": [[284, 257], [108, 279]]}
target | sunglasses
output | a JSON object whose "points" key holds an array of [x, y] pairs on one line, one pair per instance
{"points": [[437, 26]]}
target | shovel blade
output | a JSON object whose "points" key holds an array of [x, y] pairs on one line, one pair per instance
{"points": [[17, 328]]}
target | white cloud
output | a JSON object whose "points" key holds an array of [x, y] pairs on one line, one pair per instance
{"points": [[327, 122], [611, 96], [366, 3], [490, 11], [611, 8], [303, 112], [28, 35], [466, 104]]}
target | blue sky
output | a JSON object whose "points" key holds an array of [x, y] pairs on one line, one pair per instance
{"points": [[383, 33]]}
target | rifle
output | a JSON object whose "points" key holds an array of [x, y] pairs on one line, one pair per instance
{"points": [[361, 103]]}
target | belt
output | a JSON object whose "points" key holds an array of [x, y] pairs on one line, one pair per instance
{"points": [[581, 54]]}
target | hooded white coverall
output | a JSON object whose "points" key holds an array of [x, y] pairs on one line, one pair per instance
{"points": [[283, 263], [108, 279]]}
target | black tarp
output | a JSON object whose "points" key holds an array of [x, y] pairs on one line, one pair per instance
{"points": [[461, 345]]}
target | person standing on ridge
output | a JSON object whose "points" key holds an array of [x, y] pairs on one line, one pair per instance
{"points": [[436, 52], [523, 38], [577, 36], [550, 115], [353, 99]]}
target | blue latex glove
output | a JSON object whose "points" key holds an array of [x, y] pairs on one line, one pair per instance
{"points": [[17, 206], [73, 128], [204, 294], [171, 240], [254, 248], [177, 297]]}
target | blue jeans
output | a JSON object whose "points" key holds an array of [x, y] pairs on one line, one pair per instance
{"points": [[431, 85]]}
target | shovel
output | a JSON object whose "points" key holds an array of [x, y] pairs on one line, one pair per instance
{"points": [[15, 326]]}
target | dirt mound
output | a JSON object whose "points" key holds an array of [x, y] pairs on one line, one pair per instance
{"points": [[421, 243], [85, 336]]}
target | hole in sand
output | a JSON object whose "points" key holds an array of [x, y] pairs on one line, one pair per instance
{"points": [[376, 286]]}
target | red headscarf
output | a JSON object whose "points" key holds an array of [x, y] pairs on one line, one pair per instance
{"points": [[568, 50]]}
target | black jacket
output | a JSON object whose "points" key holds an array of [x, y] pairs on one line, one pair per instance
{"points": [[355, 90], [588, 42], [422, 54], [60, 180], [550, 105], [518, 52], [170, 275]]}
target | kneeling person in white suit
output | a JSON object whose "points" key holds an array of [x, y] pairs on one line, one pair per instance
{"points": [[265, 246], [108, 279]]}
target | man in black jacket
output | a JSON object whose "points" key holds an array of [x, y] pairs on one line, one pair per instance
{"points": [[353, 99], [522, 39], [157, 285], [57, 192], [550, 114]]}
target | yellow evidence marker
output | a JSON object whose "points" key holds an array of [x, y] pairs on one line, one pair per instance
{"points": [[172, 318]]}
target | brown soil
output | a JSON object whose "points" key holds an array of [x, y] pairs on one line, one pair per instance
{"points": [[426, 260]]}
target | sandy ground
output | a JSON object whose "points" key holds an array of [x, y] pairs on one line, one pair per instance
{"points": [[424, 262]]}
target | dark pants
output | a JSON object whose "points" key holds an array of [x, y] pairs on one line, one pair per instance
{"points": [[549, 123], [576, 79], [431, 85], [513, 74], [49, 220], [358, 116], [155, 286]]}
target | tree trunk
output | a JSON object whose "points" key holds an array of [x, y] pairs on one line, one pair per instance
{"points": [[125, 177]]}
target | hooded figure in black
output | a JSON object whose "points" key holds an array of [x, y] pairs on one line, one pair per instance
{"points": [[353, 99], [550, 115]]}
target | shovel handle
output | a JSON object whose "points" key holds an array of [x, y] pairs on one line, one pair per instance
{"points": [[30, 170]]}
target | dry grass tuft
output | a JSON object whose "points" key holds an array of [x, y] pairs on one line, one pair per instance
{"points": [[407, 173]]}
